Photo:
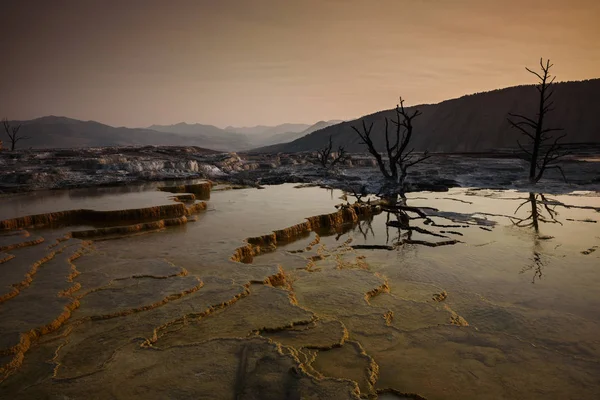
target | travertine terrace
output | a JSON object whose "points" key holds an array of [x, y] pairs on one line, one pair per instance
{"points": [[314, 297]]}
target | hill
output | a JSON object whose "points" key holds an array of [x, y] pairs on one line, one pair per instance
{"points": [[473, 123], [290, 136], [62, 132], [213, 137], [266, 131]]}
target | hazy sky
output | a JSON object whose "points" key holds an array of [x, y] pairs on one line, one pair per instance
{"points": [[248, 62]]}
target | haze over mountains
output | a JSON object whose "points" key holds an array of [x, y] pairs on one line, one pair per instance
{"points": [[472, 123], [210, 136], [63, 132]]}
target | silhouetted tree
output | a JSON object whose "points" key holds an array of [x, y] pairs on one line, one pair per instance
{"points": [[328, 158], [13, 134], [399, 156], [541, 137]]}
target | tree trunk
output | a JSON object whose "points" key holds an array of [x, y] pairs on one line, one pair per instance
{"points": [[538, 132]]}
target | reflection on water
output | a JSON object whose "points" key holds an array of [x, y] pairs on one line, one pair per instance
{"points": [[542, 210], [99, 198], [433, 297]]}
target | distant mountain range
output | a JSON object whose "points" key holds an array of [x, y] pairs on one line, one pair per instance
{"points": [[63, 132], [473, 123], [210, 136], [291, 135], [266, 131], [244, 138]]}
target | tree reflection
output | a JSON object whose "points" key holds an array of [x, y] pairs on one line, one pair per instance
{"points": [[541, 211], [404, 214]]}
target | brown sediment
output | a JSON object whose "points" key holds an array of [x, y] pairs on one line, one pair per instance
{"points": [[129, 229], [181, 273], [412, 396], [318, 257], [265, 240], [197, 315], [160, 216], [388, 317], [372, 368], [292, 232], [439, 297], [383, 288], [28, 338], [83, 216], [315, 242], [182, 198], [372, 247], [195, 208], [430, 244], [589, 251], [311, 336], [280, 279], [17, 287], [348, 214], [70, 291], [74, 272], [456, 319], [200, 190], [19, 245], [6, 258], [368, 376], [244, 254], [59, 240], [159, 303]]}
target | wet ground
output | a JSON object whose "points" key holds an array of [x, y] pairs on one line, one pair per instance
{"points": [[476, 294]]}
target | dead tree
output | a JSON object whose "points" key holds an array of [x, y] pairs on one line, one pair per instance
{"points": [[13, 134], [544, 149], [328, 159], [397, 141]]}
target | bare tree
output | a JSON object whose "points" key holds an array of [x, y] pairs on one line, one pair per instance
{"points": [[399, 157], [13, 134], [542, 139], [328, 158]]}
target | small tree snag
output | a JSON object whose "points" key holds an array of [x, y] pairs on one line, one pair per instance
{"points": [[399, 157], [545, 148], [13, 134], [328, 159]]}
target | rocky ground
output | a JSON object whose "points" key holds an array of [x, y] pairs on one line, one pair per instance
{"points": [[28, 170]]}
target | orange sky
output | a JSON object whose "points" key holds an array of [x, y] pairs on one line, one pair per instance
{"points": [[248, 62]]}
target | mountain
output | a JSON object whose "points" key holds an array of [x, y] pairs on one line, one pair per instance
{"points": [[266, 131], [215, 138], [62, 132], [236, 139], [290, 136], [473, 123]]}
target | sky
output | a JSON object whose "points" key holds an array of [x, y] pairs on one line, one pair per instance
{"points": [[247, 62]]}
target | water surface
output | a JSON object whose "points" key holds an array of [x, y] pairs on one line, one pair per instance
{"points": [[508, 310]]}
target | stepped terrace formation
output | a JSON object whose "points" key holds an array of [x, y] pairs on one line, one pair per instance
{"points": [[328, 306]]}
